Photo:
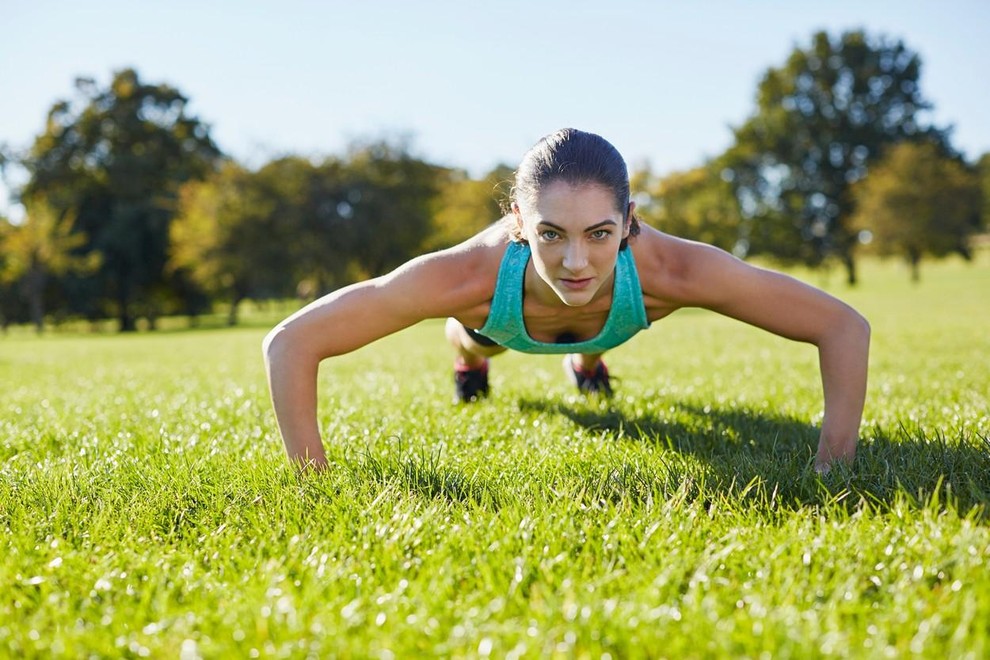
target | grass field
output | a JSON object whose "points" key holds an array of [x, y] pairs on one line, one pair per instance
{"points": [[147, 507]]}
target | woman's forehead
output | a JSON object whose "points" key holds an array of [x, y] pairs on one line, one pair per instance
{"points": [[562, 199]]}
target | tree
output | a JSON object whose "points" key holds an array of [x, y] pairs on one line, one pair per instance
{"points": [[918, 202], [231, 236], [465, 206], [314, 215], [115, 160], [389, 207], [822, 119], [698, 204], [9, 309], [41, 247], [983, 171], [5, 158]]}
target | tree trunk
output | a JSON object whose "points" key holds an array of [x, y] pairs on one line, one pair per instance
{"points": [[914, 259], [125, 321], [850, 264], [238, 297], [35, 282]]}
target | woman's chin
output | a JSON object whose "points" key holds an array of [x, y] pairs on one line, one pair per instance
{"points": [[575, 298]]}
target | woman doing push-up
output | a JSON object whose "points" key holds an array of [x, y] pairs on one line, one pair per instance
{"points": [[571, 271]]}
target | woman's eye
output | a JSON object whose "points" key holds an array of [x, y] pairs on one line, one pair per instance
{"points": [[601, 234], [548, 234]]}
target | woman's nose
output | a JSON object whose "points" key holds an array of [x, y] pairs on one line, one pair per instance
{"points": [[575, 257]]}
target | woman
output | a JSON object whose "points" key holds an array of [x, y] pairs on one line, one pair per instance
{"points": [[570, 271]]}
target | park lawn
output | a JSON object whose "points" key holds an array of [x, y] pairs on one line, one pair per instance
{"points": [[147, 507]]}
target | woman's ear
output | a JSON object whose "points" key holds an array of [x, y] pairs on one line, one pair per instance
{"points": [[627, 224], [518, 215]]}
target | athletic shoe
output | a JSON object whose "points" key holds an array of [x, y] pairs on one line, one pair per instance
{"points": [[588, 382], [471, 384]]}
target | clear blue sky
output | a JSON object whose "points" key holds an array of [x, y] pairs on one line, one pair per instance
{"points": [[473, 83]]}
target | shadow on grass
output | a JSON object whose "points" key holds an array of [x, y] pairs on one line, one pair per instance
{"points": [[767, 459], [424, 475]]}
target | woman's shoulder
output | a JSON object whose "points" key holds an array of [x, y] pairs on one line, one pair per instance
{"points": [[479, 253], [464, 273], [660, 255], [668, 266]]}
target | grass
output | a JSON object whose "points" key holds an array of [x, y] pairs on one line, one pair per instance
{"points": [[148, 509]]}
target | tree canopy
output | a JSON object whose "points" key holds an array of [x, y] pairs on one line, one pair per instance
{"points": [[115, 158], [822, 119], [917, 202], [39, 248], [465, 206], [698, 204], [295, 227], [983, 171]]}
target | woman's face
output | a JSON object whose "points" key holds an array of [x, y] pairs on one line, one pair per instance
{"points": [[574, 233]]}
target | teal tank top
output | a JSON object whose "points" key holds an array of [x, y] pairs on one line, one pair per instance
{"points": [[506, 327]]}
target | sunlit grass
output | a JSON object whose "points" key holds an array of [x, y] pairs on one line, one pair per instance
{"points": [[148, 508]]}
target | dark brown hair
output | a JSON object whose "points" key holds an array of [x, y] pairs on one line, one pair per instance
{"points": [[577, 158]]}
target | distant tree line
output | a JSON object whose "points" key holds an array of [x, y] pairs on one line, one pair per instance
{"points": [[827, 148], [132, 210]]}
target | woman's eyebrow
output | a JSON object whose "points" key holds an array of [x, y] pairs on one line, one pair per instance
{"points": [[599, 225]]}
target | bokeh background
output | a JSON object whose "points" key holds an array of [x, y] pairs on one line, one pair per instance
{"points": [[302, 134]]}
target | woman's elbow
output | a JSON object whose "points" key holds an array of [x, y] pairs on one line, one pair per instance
{"points": [[846, 327], [294, 343], [856, 329], [862, 326], [275, 345]]}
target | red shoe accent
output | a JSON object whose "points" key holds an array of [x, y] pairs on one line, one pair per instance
{"points": [[461, 367]]}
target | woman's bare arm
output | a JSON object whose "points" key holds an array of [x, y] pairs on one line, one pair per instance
{"points": [[433, 286], [704, 276]]}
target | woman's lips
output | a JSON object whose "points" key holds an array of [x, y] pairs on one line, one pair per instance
{"points": [[577, 285]]}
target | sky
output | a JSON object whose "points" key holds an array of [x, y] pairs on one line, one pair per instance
{"points": [[470, 84]]}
